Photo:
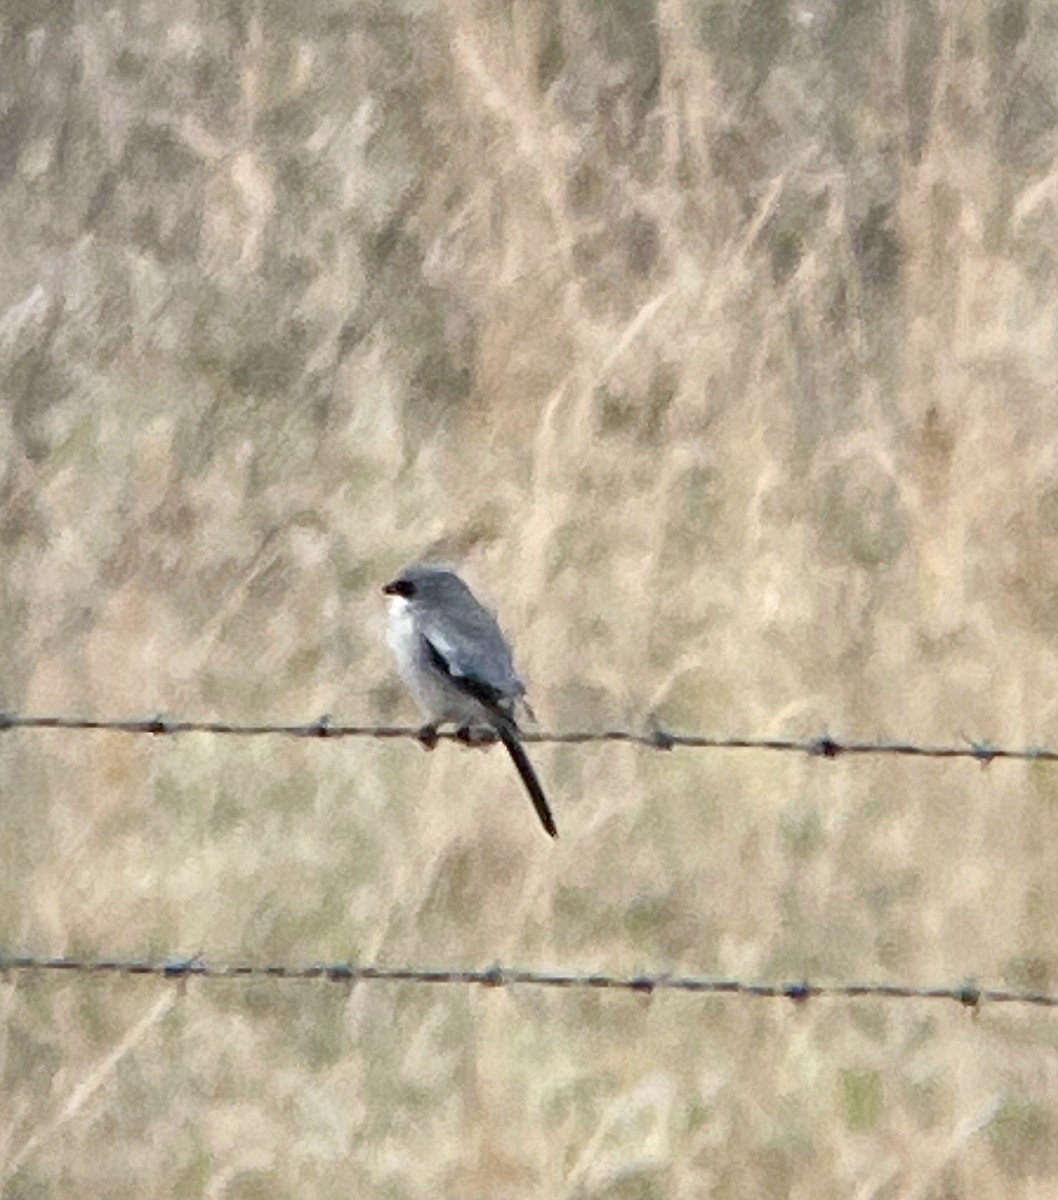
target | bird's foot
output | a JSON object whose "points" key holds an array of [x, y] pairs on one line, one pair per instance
{"points": [[480, 736], [427, 736]]}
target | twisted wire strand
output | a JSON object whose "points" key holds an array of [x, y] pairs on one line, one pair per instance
{"points": [[823, 746], [968, 994]]}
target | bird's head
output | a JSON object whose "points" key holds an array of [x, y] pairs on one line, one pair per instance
{"points": [[423, 584]]}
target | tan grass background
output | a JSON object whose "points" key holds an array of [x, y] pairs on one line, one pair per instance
{"points": [[718, 342]]}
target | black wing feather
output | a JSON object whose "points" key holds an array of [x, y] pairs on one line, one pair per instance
{"points": [[487, 693], [491, 698]]}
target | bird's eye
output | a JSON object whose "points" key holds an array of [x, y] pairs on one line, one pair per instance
{"points": [[400, 587]]}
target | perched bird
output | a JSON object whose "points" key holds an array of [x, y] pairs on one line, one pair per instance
{"points": [[457, 665]]}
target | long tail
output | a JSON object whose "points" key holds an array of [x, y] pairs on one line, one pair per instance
{"points": [[525, 769]]}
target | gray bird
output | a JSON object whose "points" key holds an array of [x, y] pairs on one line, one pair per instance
{"points": [[457, 665]]}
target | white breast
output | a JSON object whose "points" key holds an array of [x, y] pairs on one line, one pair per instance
{"points": [[434, 693], [402, 637]]}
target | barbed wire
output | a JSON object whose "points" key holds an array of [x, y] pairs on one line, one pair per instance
{"points": [[656, 738], [968, 994]]}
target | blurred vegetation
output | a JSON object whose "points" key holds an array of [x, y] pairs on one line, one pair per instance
{"points": [[718, 343]]}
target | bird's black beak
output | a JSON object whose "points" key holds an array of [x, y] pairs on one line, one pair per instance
{"points": [[398, 587]]}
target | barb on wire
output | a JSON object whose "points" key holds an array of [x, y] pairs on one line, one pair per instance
{"points": [[656, 738], [969, 994]]}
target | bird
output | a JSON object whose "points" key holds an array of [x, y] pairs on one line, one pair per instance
{"points": [[457, 665]]}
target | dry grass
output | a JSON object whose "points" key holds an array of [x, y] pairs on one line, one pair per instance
{"points": [[718, 342]]}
